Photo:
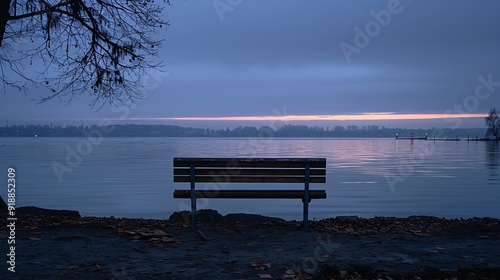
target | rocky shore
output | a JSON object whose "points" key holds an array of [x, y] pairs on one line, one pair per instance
{"points": [[52, 244]]}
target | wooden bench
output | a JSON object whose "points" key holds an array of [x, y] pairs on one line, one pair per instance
{"points": [[223, 171]]}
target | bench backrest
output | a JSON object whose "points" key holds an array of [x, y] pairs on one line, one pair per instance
{"points": [[250, 170]]}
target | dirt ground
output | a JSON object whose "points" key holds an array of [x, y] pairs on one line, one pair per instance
{"points": [[109, 248]]}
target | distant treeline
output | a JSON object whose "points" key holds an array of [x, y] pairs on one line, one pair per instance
{"points": [[142, 130]]}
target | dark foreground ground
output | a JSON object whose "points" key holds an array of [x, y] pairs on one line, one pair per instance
{"points": [[52, 246]]}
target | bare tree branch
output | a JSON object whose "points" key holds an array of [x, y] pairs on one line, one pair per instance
{"points": [[41, 11], [74, 47]]}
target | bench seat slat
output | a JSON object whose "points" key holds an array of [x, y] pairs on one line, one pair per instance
{"points": [[234, 163], [313, 194], [248, 171], [251, 179]]}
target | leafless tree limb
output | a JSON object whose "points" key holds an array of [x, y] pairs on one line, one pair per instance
{"points": [[72, 47]]}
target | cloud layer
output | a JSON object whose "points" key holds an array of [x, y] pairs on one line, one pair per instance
{"points": [[253, 57]]}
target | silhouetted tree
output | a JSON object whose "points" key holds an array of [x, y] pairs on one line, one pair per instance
{"points": [[493, 124], [71, 47]]}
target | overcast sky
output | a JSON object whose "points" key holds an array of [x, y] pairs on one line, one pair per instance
{"points": [[230, 58]]}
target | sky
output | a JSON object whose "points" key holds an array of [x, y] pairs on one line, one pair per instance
{"points": [[408, 63]]}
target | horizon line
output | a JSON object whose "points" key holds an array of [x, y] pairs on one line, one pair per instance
{"points": [[341, 117]]}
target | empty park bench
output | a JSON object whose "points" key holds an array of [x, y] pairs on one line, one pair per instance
{"points": [[224, 171]]}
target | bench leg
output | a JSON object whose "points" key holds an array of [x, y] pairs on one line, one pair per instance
{"points": [[306, 213], [306, 198], [193, 211], [193, 195]]}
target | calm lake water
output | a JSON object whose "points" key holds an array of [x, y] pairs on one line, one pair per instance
{"points": [[132, 177]]}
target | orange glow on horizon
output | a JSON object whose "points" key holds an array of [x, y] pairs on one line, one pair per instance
{"points": [[372, 116]]}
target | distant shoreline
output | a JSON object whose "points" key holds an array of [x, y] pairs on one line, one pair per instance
{"points": [[264, 132]]}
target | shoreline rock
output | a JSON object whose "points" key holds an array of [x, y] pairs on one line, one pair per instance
{"points": [[250, 218], [48, 212], [204, 215], [214, 217], [3, 206], [414, 225]]}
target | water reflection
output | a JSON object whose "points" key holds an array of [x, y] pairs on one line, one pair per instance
{"points": [[446, 179], [492, 152]]}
